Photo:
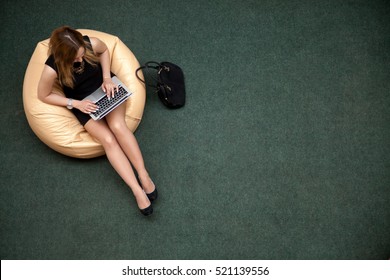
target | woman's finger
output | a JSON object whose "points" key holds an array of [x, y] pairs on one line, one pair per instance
{"points": [[113, 90]]}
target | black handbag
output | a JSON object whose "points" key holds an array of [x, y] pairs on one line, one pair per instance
{"points": [[169, 82]]}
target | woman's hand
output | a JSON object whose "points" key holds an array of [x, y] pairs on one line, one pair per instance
{"points": [[109, 87], [85, 106]]}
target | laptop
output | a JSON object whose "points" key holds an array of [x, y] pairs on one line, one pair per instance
{"points": [[99, 97]]}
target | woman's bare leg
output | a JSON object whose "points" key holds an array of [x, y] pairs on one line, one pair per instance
{"points": [[128, 142], [117, 158]]}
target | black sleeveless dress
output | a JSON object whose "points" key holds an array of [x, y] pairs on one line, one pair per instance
{"points": [[84, 83]]}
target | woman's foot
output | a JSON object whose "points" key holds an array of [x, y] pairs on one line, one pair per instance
{"points": [[144, 204], [149, 188], [153, 195], [147, 211]]}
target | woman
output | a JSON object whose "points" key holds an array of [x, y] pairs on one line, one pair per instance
{"points": [[81, 65]]}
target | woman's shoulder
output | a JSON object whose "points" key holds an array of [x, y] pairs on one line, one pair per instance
{"points": [[98, 45], [91, 41], [86, 38], [50, 62]]}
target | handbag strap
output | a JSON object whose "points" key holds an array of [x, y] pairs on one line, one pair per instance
{"points": [[151, 65], [158, 66], [136, 73]]}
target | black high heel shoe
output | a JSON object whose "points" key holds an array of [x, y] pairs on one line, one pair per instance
{"points": [[153, 195], [147, 211]]}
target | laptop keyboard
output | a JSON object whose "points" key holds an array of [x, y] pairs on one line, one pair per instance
{"points": [[105, 104]]}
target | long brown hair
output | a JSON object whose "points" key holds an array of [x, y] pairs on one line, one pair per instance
{"points": [[64, 45]]}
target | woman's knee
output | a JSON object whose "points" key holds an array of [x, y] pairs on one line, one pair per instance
{"points": [[118, 127], [102, 133], [108, 140]]}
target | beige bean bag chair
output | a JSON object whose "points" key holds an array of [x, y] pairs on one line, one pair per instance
{"points": [[56, 126]]}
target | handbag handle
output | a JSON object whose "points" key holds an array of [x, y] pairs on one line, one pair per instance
{"points": [[159, 66], [151, 65], [148, 65]]}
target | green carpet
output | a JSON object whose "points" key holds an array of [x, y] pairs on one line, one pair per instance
{"points": [[281, 152]]}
